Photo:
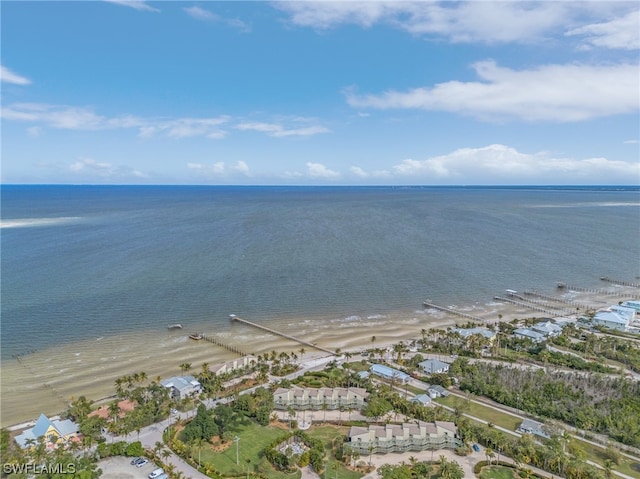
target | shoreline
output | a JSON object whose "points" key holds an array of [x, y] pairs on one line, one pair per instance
{"points": [[90, 367]]}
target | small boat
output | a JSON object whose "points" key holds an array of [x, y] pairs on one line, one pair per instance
{"points": [[196, 336], [174, 326]]}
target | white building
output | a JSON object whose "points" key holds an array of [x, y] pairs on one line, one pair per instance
{"points": [[529, 426], [635, 305], [239, 363], [417, 436], [389, 373], [423, 399], [434, 366], [547, 328], [625, 311], [319, 398], [523, 333], [181, 387], [465, 333], [611, 320]]}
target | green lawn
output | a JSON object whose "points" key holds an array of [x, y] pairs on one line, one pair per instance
{"points": [[482, 412], [497, 472], [597, 454], [328, 434], [253, 440]]}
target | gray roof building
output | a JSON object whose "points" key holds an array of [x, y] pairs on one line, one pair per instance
{"points": [[432, 366], [529, 426]]}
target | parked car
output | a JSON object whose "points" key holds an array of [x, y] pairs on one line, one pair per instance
{"points": [[476, 448], [155, 473], [135, 460], [142, 463]]}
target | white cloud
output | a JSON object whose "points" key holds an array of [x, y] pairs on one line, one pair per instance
{"points": [[77, 118], [318, 170], [471, 21], [241, 167], [34, 131], [356, 170], [188, 127], [205, 15], [630, 142], [135, 4], [89, 168], [8, 76], [501, 164], [202, 14], [219, 169], [620, 33], [560, 93], [81, 118], [278, 130]]}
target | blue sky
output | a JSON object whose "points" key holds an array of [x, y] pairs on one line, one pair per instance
{"points": [[434, 93]]}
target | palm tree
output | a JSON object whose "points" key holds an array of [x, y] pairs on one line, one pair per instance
{"points": [[608, 468], [165, 453], [114, 411], [490, 454], [184, 367]]}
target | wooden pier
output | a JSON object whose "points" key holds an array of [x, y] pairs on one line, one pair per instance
{"points": [[532, 307], [620, 282], [541, 304], [557, 300], [601, 292], [278, 333], [428, 304], [217, 342]]}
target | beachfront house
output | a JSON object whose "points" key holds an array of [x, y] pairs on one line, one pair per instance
{"points": [[434, 366], [624, 311], [319, 398], [547, 328], [233, 365], [54, 433], [635, 305], [416, 436], [181, 387], [524, 333], [465, 333], [529, 426], [389, 373], [611, 320]]}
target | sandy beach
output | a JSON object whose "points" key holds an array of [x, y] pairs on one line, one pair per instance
{"points": [[45, 381]]}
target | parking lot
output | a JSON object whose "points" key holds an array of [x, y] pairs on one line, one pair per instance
{"points": [[121, 468]]}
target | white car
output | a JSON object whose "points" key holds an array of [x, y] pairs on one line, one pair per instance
{"points": [[142, 463]]}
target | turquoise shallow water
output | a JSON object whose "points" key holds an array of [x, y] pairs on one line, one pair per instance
{"points": [[80, 262]]}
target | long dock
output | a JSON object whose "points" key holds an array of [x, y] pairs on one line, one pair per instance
{"points": [[620, 282], [428, 304], [217, 342], [601, 292], [530, 306], [543, 305], [555, 299], [281, 334]]}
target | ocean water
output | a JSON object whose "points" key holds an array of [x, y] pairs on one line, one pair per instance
{"points": [[82, 262]]}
